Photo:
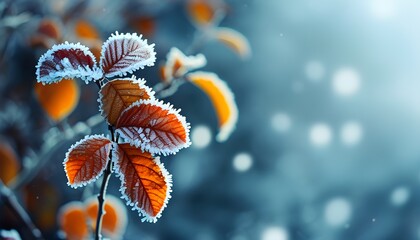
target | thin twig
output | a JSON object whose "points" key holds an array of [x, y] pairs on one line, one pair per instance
{"points": [[54, 140], [10, 200], [102, 192]]}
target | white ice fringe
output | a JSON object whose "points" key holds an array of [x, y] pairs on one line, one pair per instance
{"points": [[137, 62], [68, 71], [140, 81], [189, 63], [66, 159], [144, 142], [142, 213]]}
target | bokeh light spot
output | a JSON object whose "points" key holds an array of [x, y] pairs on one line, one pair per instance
{"points": [[320, 134], [274, 233], [384, 9], [201, 136], [242, 162], [346, 82], [337, 211], [400, 196]]}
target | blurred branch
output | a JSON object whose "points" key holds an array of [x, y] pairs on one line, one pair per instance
{"points": [[10, 200], [54, 139], [164, 90]]}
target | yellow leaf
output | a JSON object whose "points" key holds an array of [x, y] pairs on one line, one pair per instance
{"points": [[234, 40], [222, 99]]}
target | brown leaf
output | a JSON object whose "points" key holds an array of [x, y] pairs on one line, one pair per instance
{"points": [[117, 95]]}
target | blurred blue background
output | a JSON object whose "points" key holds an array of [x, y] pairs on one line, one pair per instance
{"points": [[327, 145]]}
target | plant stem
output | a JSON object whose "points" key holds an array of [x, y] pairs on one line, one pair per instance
{"points": [[10, 200], [102, 192]]}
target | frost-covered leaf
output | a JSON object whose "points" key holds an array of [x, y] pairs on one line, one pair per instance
{"points": [[145, 183], [154, 126], [114, 221], [126, 53], [177, 64], [58, 100], [72, 221], [117, 95], [67, 60], [234, 40], [86, 160], [222, 99]]}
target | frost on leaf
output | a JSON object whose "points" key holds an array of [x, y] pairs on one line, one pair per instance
{"points": [[154, 126], [67, 60], [126, 53], [86, 160], [178, 64], [234, 40], [117, 95], [145, 183], [222, 99]]}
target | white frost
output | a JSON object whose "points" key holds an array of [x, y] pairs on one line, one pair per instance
{"points": [[64, 68], [125, 59]]}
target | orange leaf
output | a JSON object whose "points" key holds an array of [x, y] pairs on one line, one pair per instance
{"points": [[234, 40], [222, 99], [200, 11], [86, 160], [72, 221], [154, 126], [58, 100], [84, 29], [117, 95], [114, 220], [145, 183], [9, 164]]}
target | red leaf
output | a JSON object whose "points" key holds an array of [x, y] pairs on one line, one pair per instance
{"points": [[145, 183], [126, 53], [154, 126], [119, 94], [86, 160], [67, 60]]}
